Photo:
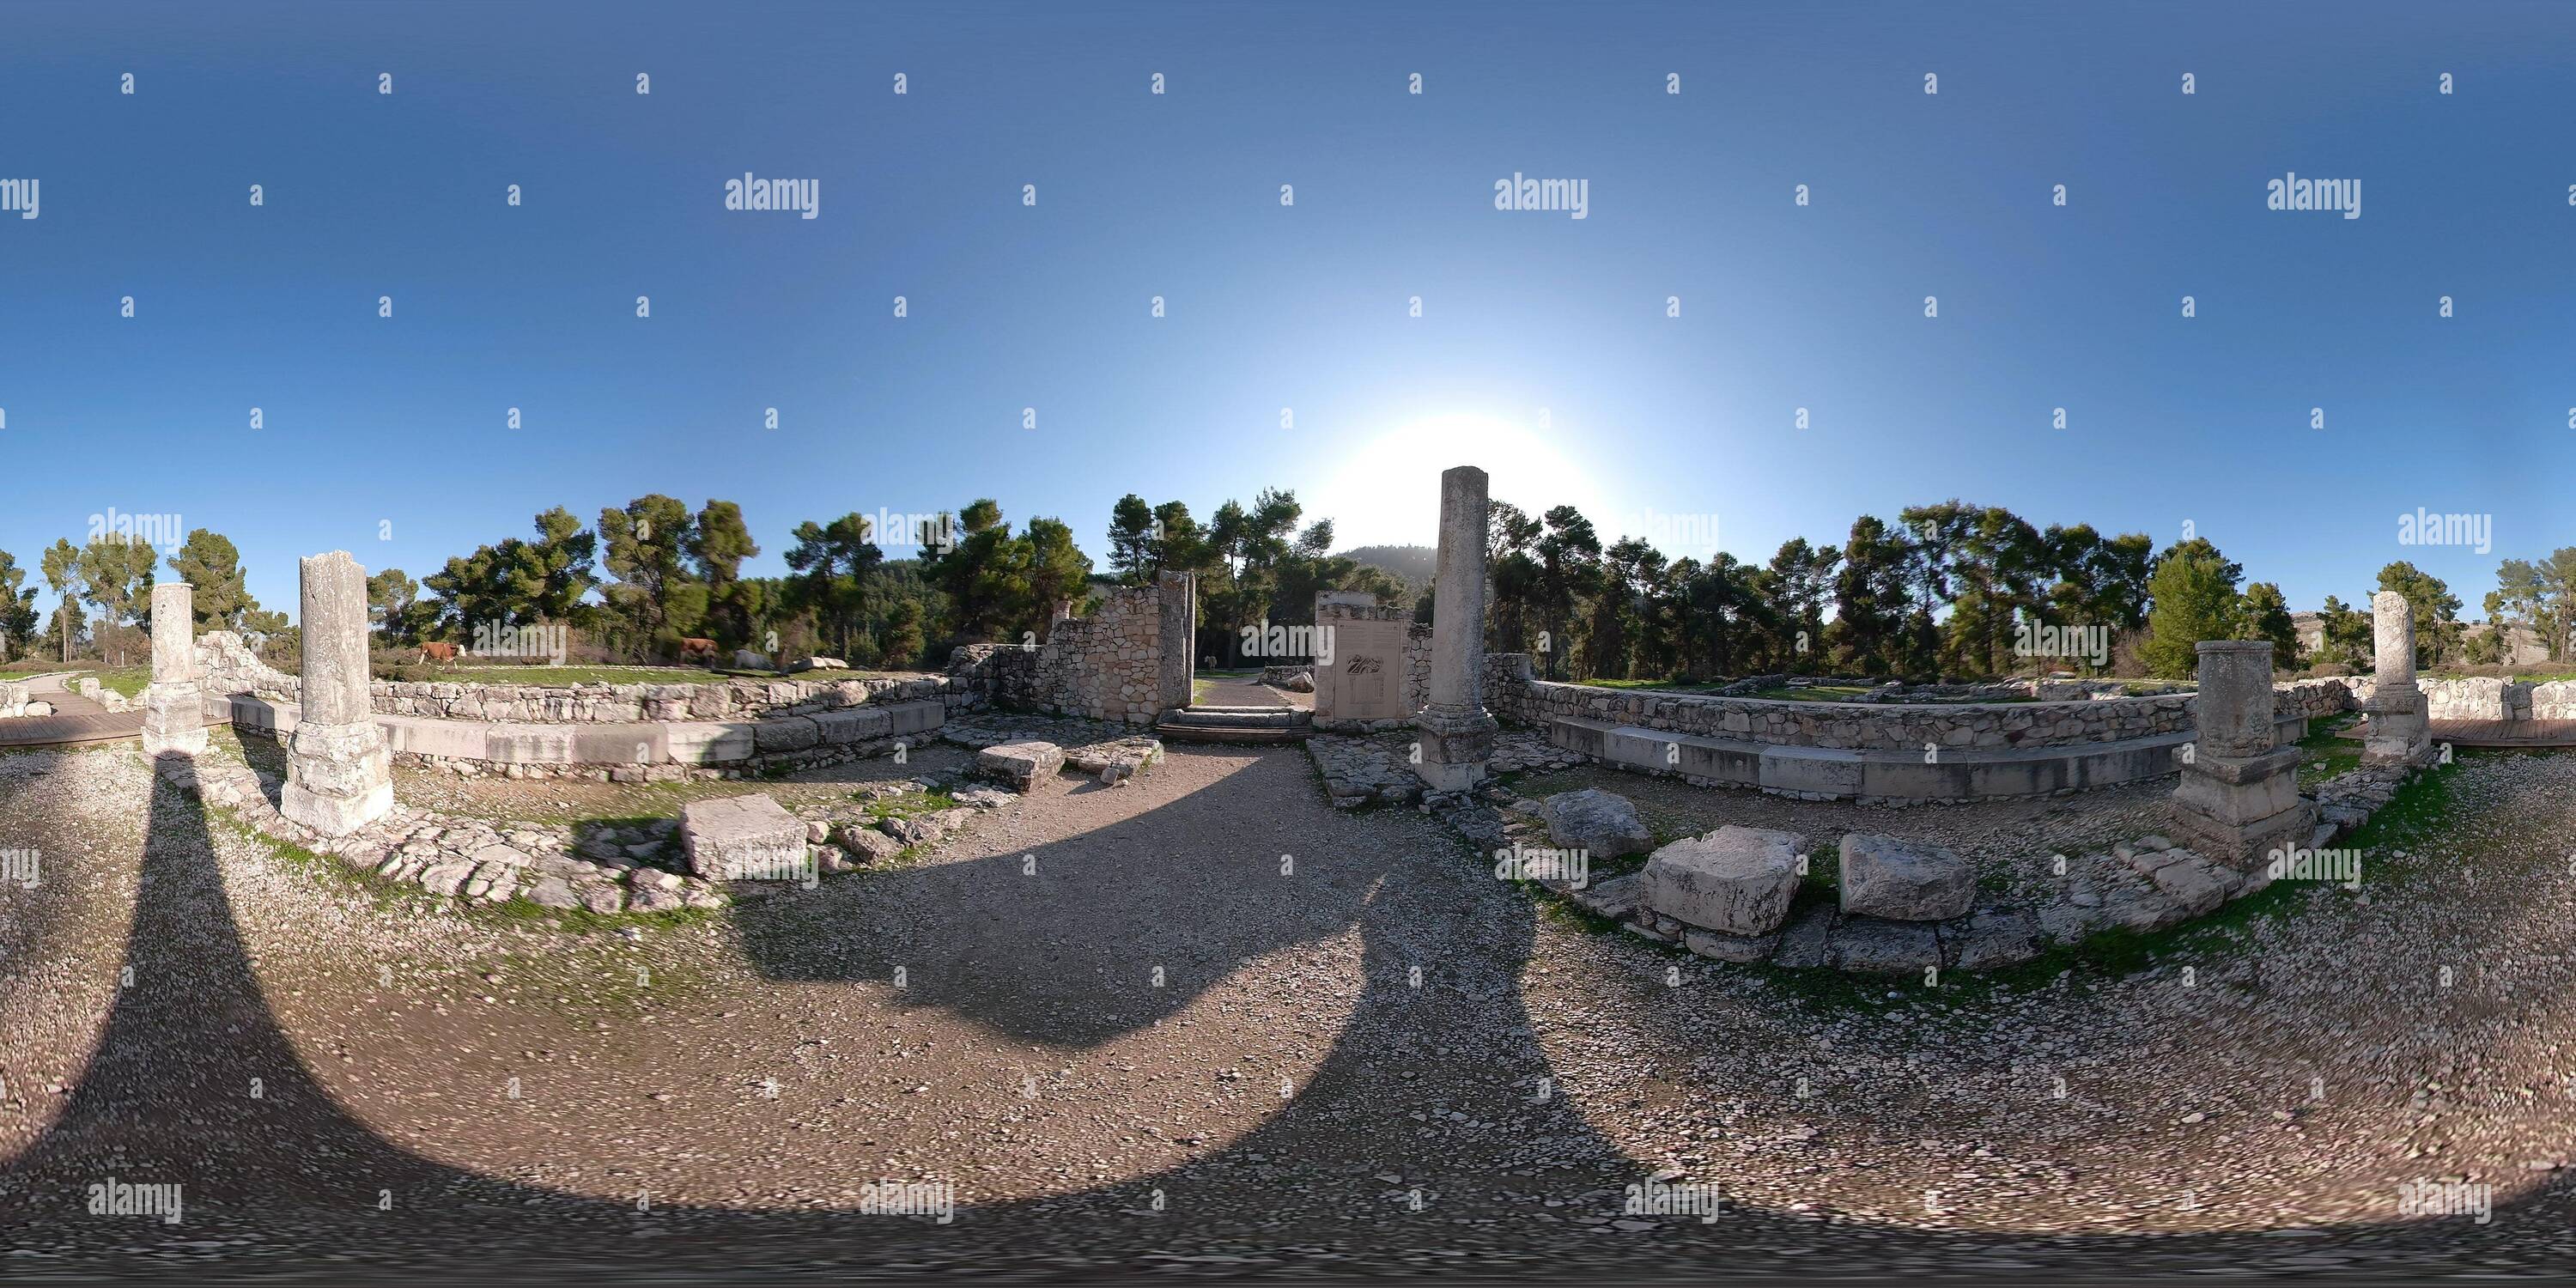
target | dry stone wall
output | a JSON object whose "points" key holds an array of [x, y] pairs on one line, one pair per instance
{"points": [[2485, 698], [1109, 665], [227, 666], [1512, 693]]}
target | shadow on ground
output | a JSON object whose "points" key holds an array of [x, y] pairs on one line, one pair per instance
{"points": [[193, 1082]]}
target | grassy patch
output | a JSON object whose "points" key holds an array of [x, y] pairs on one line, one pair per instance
{"points": [[403, 899], [2325, 754], [559, 676], [1813, 693], [127, 680], [2412, 820], [909, 805]]}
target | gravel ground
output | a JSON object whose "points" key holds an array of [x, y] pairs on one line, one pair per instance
{"points": [[442, 1092], [2013, 843]]}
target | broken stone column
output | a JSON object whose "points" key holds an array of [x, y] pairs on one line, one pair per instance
{"points": [[339, 773], [2239, 796], [174, 715], [2400, 731], [1457, 734], [1175, 627]]}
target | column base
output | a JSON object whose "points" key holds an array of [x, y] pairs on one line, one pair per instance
{"points": [[2237, 810], [339, 778], [174, 719], [1456, 742], [2400, 732]]}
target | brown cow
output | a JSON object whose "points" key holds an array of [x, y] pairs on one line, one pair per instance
{"points": [[437, 651], [695, 650]]}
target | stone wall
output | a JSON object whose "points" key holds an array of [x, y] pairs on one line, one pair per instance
{"points": [[1109, 665], [1512, 694], [227, 666], [2489, 698], [1414, 685]]}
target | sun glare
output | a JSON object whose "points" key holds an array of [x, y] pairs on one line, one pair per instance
{"points": [[1388, 491]]}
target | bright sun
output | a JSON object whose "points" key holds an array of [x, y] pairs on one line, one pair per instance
{"points": [[1388, 491]]}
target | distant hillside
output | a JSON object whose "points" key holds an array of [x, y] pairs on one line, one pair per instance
{"points": [[1415, 564]]}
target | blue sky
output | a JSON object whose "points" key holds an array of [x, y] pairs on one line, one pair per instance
{"points": [[1543, 352]]}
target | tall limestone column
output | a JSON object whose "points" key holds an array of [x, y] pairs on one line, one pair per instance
{"points": [[2239, 800], [2400, 730], [1457, 734], [339, 773], [174, 715]]}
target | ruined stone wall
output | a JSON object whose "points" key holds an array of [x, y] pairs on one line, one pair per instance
{"points": [[1106, 666], [2493, 698], [1511, 694], [228, 666]]}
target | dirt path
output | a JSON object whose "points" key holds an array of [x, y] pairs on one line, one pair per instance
{"points": [[718, 1096]]}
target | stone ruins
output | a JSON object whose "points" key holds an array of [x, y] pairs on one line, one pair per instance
{"points": [[2400, 732], [339, 771], [2239, 797], [174, 716], [1457, 732]]}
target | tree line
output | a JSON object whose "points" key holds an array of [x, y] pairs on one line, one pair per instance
{"points": [[1944, 590], [1948, 590]]}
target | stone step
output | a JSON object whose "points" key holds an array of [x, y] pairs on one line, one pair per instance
{"points": [[1270, 718], [1235, 725], [1230, 733]]}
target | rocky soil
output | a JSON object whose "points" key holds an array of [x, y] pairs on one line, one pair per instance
{"points": [[1206, 1023]]}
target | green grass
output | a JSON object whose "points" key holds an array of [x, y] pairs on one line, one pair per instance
{"points": [[1813, 693], [2325, 754], [2419, 812], [556, 676], [564, 676], [910, 805], [128, 680]]}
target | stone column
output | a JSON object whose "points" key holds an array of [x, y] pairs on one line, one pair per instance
{"points": [[174, 715], [1176, 620], [2400, 731], [1457, 735], [339, 774], [2239, 796]]}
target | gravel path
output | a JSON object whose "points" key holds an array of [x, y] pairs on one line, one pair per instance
{"points": [[442, 1092]]}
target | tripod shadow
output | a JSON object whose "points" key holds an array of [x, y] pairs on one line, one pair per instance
{"points": [[193, 1082]]}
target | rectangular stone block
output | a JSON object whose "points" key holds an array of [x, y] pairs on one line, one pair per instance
{"points": [[743, 838], [1735, 880]]}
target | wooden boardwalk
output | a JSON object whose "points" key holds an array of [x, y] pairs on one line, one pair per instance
{"points": [[75, 720], [2486, 733], [2506, 733]]}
